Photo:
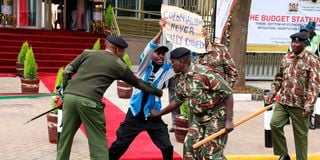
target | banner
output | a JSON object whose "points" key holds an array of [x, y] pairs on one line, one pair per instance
{"points": [[224, 8], [183, 28], [272, 22]]}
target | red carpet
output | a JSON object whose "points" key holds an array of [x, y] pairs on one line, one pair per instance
{"points": [[141, 148]]}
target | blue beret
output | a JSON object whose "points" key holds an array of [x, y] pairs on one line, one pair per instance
{"points": [[179, 53], [299, 36], [304, 28], [312, 25], [117, 41]]}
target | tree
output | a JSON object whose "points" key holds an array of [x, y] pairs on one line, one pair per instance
{"points": [[238, 38]]}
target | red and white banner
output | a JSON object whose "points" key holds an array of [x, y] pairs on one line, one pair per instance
{"points": [[271, 23], [224, 8]]}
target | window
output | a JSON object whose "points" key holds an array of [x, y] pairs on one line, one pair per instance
{"points": [[28, 12]]}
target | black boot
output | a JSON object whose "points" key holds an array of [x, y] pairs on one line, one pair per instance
{"points": [[284, 157], [167, 153]]}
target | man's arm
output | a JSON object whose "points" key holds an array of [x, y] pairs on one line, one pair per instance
{"points": [[174, 104], [229, 67], [71, 69], [229, 109], [131, 79], [276, 84], [313, 85]]}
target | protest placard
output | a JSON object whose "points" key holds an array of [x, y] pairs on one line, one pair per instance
{"points": [[183, 28]]}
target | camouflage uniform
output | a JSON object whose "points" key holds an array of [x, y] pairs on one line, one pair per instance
{"points": [[220, 60], [204, 90], [297, 82]]}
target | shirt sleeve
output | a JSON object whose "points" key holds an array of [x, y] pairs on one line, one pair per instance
{"points": [[178, 90], [229, 67], [218, 84], [278, 79], [314, 81]]}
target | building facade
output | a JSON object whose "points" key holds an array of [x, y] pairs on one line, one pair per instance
{"points": [[77, 14]]}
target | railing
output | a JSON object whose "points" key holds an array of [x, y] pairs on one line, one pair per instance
{"points": [[262, 66], [145, 23], [114, 25]]}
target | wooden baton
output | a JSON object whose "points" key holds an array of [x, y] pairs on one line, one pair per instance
{"points": [[222, 131]]}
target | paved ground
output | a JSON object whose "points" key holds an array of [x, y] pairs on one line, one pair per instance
{"points": [[25, 142]]}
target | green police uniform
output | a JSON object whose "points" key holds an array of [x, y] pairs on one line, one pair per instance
{"points": [[204, 90], [220, 60], [297, 83], [95, 71]]}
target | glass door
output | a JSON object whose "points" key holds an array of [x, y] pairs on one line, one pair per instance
{"points": [[29, 13]]}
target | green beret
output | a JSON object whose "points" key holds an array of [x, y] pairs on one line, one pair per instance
{"points": [[179, 53], [117, 41]]}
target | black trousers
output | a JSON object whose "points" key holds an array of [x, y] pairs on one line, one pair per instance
{"points": [[132, 126]]}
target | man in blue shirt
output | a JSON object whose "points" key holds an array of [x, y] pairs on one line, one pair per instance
{"points": [[154, 69]]}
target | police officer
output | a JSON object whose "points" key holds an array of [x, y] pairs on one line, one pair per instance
{"points": [[297, 83], [210, 101], [219, 59], [95, 71], [313, 38]]}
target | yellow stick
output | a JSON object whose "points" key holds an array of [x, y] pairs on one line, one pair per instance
{"points": [[222, 131]]}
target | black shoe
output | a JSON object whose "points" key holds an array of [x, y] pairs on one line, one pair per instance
{"points": [[312, 126], [284, 157]]}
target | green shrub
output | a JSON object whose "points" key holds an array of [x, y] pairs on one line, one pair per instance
{"points": [[184, 110], [58, 79], [23, 51], [127, 60], [96, 45], [108, 16], [30, 66], [57, 83]]}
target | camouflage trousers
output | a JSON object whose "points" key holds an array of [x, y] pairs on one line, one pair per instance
{"points": [[198, 130]]}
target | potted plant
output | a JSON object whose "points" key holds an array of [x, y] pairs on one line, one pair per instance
{"points": [[30, 80], [96, 45], [52, 117], [125, 90], [107, 20], [21, 58], [182, 124]]}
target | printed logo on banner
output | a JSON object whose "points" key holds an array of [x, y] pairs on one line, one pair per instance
{"points": [[293, 7]]}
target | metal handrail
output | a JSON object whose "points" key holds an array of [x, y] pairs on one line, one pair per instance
{"points": [[114, 25], [155, 13]]}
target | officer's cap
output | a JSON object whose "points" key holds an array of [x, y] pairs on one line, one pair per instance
{"points": [[117, 41], [162, 49], [299, 36], [180, 52], [311, 25]]}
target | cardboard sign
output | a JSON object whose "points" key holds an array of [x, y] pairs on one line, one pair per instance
{"points": [[183, 28]]}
